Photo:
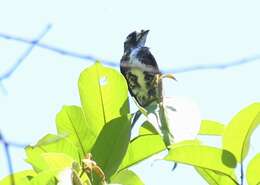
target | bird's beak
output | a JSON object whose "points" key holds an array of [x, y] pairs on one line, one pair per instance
{"points": [[141, 37], [144, 32]]}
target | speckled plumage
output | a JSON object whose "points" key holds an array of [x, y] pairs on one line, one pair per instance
{"points": [[139, 68]]}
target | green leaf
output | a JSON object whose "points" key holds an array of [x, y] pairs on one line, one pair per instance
{"points": [[214, 178], [21, 178], [56, 163], [58, 144], [70, 176], [50, 139], [237, 134], [49, 143], [71, 121], [126, 177], [253, 170], [147, 128], [209, 127], [76, 179], [111, 145], [192, 153], [57, 160], [104, 95], [45, 178], [34, 158], [141, 148]]}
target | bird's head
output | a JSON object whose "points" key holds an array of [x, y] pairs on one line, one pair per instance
{"points": [[135, 39]]}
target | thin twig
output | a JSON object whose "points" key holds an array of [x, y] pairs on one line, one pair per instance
{"points": [[242, 173], [84, 56], [26, 53], [58, 50], [17, 145], [9, 162], [2, 88], [163, 119], [8, 158], [216, 66]]}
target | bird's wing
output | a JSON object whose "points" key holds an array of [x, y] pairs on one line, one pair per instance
{"points": [[124, 69], [146, 57], [123, 62]]}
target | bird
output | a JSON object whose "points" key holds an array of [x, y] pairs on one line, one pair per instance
{"points": [[141, 72], [140, 69]]}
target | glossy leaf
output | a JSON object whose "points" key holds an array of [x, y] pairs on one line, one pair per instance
{"points": [[237, 134], [147, 128], [45, 178], [214, 178], [126, 177], [55, 164], [111, 145], [71, 121], [209, 127], [58, 144], [57, 160], [192, 153], [49, 143], [141, 148], [76, 179], [253, 170], [104, 95], [34, 158], [21, 178], [69, 176]]}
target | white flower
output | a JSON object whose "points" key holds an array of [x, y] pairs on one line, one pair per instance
{"points": [[183, 116], [65, 177]]}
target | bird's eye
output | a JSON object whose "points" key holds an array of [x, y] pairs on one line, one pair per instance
{"points": [[131, 35]]}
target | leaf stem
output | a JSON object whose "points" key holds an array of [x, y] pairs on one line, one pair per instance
{"points": [[167, 135]]}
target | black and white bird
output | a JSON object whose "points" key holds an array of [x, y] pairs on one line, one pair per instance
{"points": [[140, 69]]}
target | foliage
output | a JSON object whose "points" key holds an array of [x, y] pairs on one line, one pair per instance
{"points": [[93, 143], [252, 170]]}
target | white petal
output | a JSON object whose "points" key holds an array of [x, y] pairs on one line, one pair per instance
{"points": [[65, 177], [185, 120]]}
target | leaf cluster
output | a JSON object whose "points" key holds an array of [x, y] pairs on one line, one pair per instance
{"points": [[101, 127]]}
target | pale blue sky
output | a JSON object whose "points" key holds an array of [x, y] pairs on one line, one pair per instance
{"points": [[182, 33]]}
